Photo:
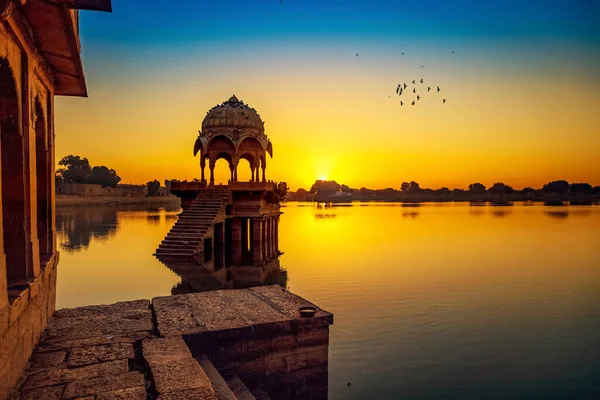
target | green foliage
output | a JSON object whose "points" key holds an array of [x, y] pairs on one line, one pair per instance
{"points": [[78, 170], [106, 177], [75, 169]]}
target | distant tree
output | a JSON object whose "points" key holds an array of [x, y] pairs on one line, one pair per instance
{"points": [[583, 188], [103, 176], [477, 188], [346, 189], [75, 169], [556, 187], [443, 191], [458, 192], [596, 189], [404, 187], [413, 187], [58, 180], [153, 187], [528, 190], [325, 187], [500, 188]]}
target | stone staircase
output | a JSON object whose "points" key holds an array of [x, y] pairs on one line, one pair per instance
{"points": [[186, 237]]}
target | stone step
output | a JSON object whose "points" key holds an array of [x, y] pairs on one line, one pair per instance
{"points": [[178, 246], [175, 253], [219, 385], [238, 388]]}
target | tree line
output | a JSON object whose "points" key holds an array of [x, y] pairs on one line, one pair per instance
{"points": [[321, 187]]}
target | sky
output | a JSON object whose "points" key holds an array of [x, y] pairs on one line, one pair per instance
{"points": [[522, 89]]}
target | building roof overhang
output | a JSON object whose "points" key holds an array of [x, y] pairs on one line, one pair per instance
{"points": [[53, 28]]}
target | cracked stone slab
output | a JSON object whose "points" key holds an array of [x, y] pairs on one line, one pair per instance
{"points": [[137, 393], [46, 393], [64, 375], [96, 354], [87, 387]]}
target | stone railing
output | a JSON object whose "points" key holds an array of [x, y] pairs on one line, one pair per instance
{"points": [[197, 185]]}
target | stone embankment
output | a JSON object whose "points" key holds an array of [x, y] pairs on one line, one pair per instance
{"points": [[229, 344]]}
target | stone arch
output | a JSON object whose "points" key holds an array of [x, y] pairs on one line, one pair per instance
{"points": [[43, 180], [218, 147], [213, 163], [13, 178], [252, 165]]}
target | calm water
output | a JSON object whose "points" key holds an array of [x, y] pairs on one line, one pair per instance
{"points": [[440, 301]]}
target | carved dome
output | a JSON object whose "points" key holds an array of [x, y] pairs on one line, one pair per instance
{"points": [[232, 115]]}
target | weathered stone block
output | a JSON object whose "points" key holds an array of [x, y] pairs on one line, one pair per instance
{"points": [[4, 319], [11, 341], [179, 374], [57, 344], [173, 315], [33, 289], [63, 375], [47, 360], [137, 393], [313, 338], [87, 387], [165, 349], [45, 393], [191, 394], [19, 301], [95, 354]]}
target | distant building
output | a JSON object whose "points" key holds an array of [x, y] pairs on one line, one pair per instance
{"points": [[78, 189]]}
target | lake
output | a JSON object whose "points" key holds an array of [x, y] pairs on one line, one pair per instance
{"points": [[441, 301]]}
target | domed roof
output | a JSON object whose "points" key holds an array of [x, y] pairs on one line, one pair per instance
{"points": [[233, 114]]}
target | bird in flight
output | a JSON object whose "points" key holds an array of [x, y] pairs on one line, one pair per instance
{"points": [[418, 97], [452, 52], [444, 101], [414, 90], [356, 54], [405, 86], [413, 103], [402, 53], [438, 89], [421, 80], [421, 66], [413, 81], [428, 88], [398, 89], [401, 103]]}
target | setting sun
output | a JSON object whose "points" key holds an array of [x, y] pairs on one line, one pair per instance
{"points": [[322, 178]]}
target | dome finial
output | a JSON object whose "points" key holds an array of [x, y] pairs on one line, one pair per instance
{"points": [[233, 99]]}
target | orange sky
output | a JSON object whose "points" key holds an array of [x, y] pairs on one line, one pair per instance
{"points": [[516, 112]]}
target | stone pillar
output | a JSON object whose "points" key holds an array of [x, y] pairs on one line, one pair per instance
{"points": [[31, 228], [277, 235], [264, 167], [244, 233], [257, 241], [273, 239], [202, 166], [211, 166], [236, 241], [271, 252]]}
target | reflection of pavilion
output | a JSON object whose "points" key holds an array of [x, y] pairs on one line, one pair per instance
{"points": [[198, 277]]}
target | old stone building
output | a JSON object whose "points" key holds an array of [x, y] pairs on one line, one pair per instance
{"points": [[39, 58]]}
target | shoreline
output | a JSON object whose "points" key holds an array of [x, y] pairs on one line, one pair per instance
{"points": [[70, 201]]}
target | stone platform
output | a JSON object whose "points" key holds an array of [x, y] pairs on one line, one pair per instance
{"points": [[228, 344]]}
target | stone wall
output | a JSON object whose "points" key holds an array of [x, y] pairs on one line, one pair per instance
{"points": [[22, 322], [80, 189]]}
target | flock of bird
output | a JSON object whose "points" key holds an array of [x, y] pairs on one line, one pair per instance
{"points": [[402, 88]]}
